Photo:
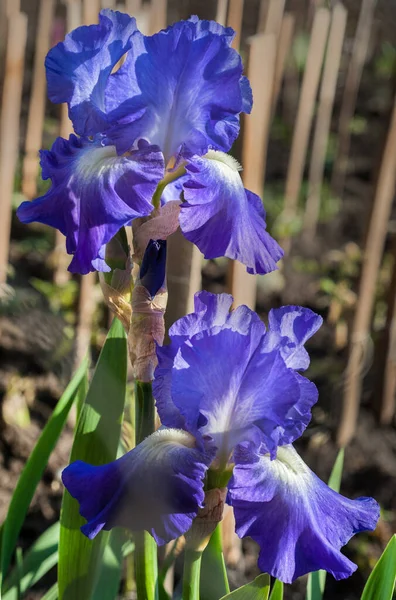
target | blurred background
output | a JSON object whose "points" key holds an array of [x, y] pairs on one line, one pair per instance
{"points": [[320, 149]]}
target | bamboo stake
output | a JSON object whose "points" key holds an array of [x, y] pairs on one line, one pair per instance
{"points": [[133, 7], [273, 22], [221, 14], [61, 258], [371, 263], [255, 142], [13, 7], [108, 4], [158, 15], [283, 50], [183, 276], [323, 121], [91, 10], [352, 84], [388, 354], [35, 126], [234, 20], [305, 115], [9, 128], [86, 309], [262, 17]]}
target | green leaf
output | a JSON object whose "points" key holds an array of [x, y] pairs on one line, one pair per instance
{"points": [[256, 590], [96, 442], [38, 560], [214, 581], [381, 583], [110, 572], [277, 590], [316, 581], [34, 470]]}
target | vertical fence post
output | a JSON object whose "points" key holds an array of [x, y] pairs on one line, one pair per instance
{"points": [[9, 128], [371, 263], [352, 83], [221, 13], [158, 15], [323, 120], [35, 126], [254, 150], [304, 117], [234, 20], [284, 45], [387, 376], [61, 259], [91, 10]]}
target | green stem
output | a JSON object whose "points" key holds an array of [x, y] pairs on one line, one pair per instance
{"points": [[146, 565], [191, 574]]}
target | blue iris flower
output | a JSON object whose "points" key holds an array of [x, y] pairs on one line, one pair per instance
{"points": [[232, 397], [174, 104]]}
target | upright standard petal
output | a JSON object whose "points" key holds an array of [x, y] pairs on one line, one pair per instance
{"points": [[94, 193], [289, 328], [222, 218], [299, 523], [191, 85], [211, 311], [78, 71], [238, 385], [157, 487], [229, 392]]}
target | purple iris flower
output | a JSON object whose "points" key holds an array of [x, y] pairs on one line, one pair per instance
{"points": [[231, 393], [173, 107]]}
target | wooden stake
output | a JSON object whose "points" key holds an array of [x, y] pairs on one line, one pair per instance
{"points": [[86, 309], [323, 121], [91, 10], [9, 128], [35, 124], [262, 17], [255, 142], [108, 4], [221, 14], [371, 263], [158, 15], [133, 7], [61, 258], [273, 22], [305, 115], [183, 275], [283, 50], [352, 84], [387, 352], [234, 20]]}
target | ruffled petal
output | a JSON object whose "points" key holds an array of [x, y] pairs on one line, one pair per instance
{"points": [[229, 392], [222, 218], [79, 69], [289, 328], [190, 83], [157, 487], [94, 193], [211, 311], [299, 523]]}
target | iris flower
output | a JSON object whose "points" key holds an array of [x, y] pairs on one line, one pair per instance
{"points": [[168, 114], [232, 397]]}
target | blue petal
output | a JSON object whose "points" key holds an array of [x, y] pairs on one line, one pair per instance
{"points": [[289, 329], [190, 83], [79, 69], [299, 523], [152, 271], [229, 392], [210, 311], [94, 193], [157, 487], [222, 218]]}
